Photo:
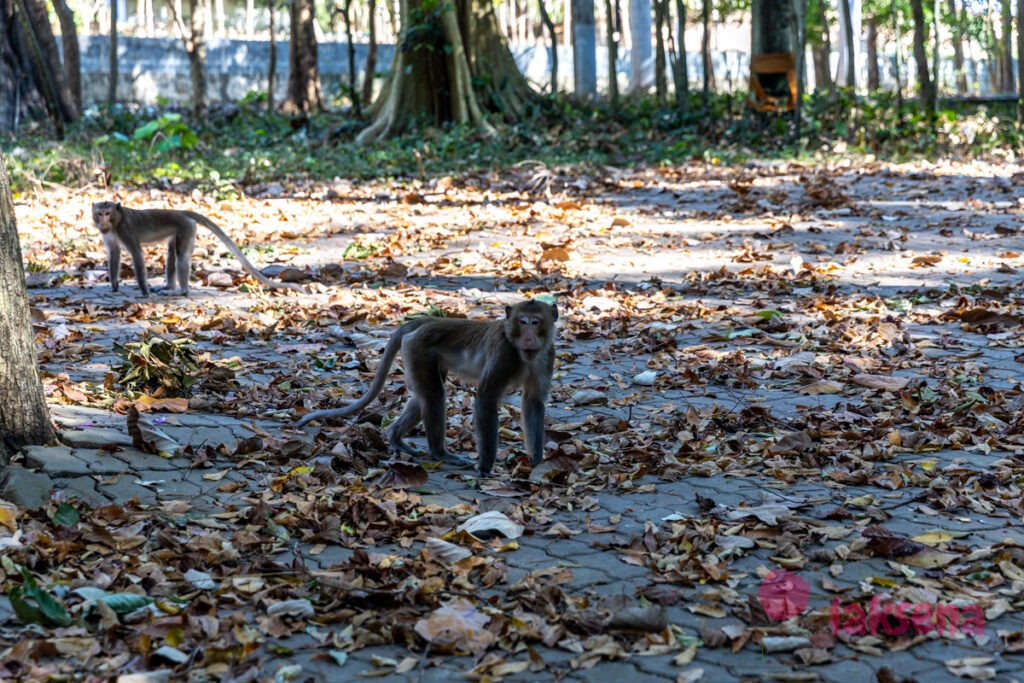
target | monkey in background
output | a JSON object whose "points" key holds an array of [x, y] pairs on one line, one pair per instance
{"points": [[131, 228], [499, 356]]}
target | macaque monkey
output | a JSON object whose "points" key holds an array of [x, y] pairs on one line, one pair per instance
{"points": [[499, 356], [131, 228]]}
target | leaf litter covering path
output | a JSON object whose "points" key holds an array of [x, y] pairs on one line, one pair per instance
{"points": [[762, 370]]}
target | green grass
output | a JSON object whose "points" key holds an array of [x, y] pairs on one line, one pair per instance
{"points": [[242, 146]]}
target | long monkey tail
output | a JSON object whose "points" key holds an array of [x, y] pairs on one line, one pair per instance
{"points": [[230, 244], [386, 361]]}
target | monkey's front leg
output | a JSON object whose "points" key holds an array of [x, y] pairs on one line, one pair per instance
{"points": [[485, 419], [533, 426], [113, 264]]}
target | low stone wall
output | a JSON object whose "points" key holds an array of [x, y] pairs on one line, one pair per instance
{"points": [[151, 69]]}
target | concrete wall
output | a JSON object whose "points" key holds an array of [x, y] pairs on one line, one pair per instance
{"points": [[152, 68]]}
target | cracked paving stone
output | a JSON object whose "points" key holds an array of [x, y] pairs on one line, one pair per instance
{"points": [[95, 437], [137, 459], [82, 488], [55, 460]]}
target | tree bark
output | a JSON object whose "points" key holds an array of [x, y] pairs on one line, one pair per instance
{"points": [[194, 40], [613, 54], [112, 68], [872, 45], [926, 93], [353, 91], [272, 65], [72, 56], [1020, 61], [584, 49], [451, 63], [896, 53], [640, 38], [660, 63], [1007, 45], [680, 73], [303, 68], [371, 51], [24, 418], [848, 68], [821, 48], [545, 19], [957, 38], [705, 51]]}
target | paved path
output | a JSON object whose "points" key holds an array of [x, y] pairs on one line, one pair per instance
{"points": [[621, 530]]}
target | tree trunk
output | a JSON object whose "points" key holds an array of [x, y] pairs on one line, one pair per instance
{"points": [[24, 418], [821, 48], [846, 72], [936, 74], [957, 38], [872, 44], [640, 38], [353, 91], [584, 49], [926, 93], [112, 68], [194, 40], [550, 26], [705, 51], [72, 56], [272, 65], [896, 53], [680, 73], [660, 73], [303, 68], [371, 51], [1020, 60], [195, 46], [451, 63], [613, 54], [1007, 45]]}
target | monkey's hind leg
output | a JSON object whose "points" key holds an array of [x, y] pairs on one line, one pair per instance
{"points": [[171, 272], [409, 418], [435, 422]]}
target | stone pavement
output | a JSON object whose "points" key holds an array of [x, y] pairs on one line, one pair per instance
{"points": [[97, 463]]}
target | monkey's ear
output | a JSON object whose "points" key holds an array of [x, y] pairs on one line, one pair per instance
{"points": [[508, 311], [554, 312], [119, 205]]}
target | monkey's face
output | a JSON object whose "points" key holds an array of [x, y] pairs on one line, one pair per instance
{"points": [[105, 215], [529, 327]]}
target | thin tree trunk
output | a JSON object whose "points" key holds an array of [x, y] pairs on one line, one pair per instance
{"points": [[850, 77], [272, 65], [935, 49], [584, 49], [371, 51], [957, 38], [896, 53], [613, 55], [550, 26], [353, 91], [1007, 45], [821, 51], [1020, 61], [24, 418], [660, 74], [705, 51], [681, 73], [872, 45], [800, 16], [112, 68], [196, 49], [72, 56], [926, 94]]}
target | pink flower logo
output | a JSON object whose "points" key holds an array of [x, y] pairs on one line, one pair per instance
{"points": [[783, 594]]}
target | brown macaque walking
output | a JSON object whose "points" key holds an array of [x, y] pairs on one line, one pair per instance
{"points": [[131, 228], [499, 356]]}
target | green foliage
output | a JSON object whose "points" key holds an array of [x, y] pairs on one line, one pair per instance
{"points": [[424, 32], [168, 132], [160, 367], [32, 603]]}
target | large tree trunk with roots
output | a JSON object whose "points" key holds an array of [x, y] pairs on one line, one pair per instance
{"points": [[24, 418], [303, 67], [443, 51], [72, 55], [32, 80]]}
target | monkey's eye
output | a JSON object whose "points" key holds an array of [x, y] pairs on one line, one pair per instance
{"points": [[529, 321]]}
